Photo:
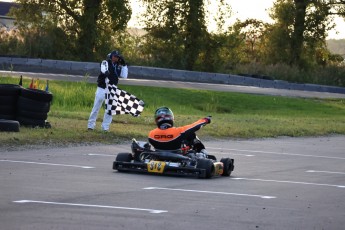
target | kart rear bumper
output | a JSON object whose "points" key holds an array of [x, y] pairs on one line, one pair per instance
{"points": [[168, 170]]}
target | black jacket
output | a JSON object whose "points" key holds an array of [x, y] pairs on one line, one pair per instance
{"points": [[112, 74]]}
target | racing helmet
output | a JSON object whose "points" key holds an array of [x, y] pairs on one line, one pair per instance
{"points": [[164, 115]]}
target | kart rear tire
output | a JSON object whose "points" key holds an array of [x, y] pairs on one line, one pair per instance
{"points": [[124, 157], [207, 165], [228, 166]]}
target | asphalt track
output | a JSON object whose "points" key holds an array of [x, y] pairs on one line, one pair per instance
{"points": [[282, 183]]}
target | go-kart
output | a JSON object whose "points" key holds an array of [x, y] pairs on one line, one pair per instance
{"points": [[187, 162]]}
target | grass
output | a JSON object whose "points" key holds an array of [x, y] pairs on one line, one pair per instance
{"points": [[235, 115], [333, 75]]}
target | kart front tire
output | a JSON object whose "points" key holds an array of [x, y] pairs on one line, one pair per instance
{"points": [[228, 166], [207, 165]]}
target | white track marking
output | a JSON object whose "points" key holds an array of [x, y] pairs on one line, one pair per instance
{"points": [[237, 154], [212, 192], [277, 153], [40, 163], [291, 182], [316, 171], [103, 155], [153, 211]]}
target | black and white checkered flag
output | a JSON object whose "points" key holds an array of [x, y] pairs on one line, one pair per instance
{"points": [[118, 101]]}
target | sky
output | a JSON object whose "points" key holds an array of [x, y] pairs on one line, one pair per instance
{"points": [[243, 9]]}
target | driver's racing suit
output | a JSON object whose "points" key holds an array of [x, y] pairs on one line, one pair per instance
{"points": [[173, 138]]}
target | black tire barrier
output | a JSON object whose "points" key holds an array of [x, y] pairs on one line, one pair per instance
{"points": [[33, 115], [32, 105], [32, 108], [7, 112], [7, 117], [36, 94], [29, 107], [9, 90], [31, 122], [7, 109], [9, 125], [8, 100]]}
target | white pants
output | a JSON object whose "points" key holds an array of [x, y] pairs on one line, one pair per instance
{"points": [[99, 99]]}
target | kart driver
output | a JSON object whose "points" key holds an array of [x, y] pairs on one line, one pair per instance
{"points": [[168, 137]]}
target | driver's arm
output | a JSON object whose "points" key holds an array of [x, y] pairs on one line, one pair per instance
{"points": [[192, 128]]}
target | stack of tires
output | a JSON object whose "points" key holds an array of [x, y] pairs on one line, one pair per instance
{"points": [[33, 106], [8, 100], [9, 94]]}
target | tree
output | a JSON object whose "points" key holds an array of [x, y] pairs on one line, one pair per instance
{"points": [[298, 29], [224, 50], [303, 24], [176, 28], [336, 7], [177, 31], [252, 31], [85, 24], [195, 30], [278, 35]]}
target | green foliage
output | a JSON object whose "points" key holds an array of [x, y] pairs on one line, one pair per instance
{"points": [[299, 34], [167, 24], [46, 25], [279, 34], [9, 43], [177, 35], [247, 41], [323, 75]]}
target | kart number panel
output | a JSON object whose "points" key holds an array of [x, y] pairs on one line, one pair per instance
{"points": [[156, 166], [218, 168]]}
